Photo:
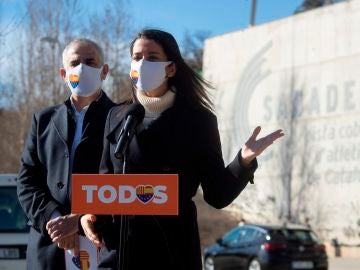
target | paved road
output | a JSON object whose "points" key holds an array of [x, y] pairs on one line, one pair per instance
{"points": [[344, 264]]}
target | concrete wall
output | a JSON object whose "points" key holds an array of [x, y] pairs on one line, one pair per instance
{"points": [[301, 74]]}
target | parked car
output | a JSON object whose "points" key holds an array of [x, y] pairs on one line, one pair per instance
{"points": [[266, 247], [13, 226]]}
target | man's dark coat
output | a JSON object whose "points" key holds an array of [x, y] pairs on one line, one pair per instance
{"points": [[43, 179]]}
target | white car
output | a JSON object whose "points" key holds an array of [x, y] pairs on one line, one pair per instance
{"points": [[13, 226]]}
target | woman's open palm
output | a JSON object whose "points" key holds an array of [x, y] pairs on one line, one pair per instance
{"points": [[254, 147]]}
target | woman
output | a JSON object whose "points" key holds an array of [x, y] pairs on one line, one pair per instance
{"points": [[179, 135]]}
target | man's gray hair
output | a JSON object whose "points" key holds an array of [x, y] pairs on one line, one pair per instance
{"points": [[84, 41]]}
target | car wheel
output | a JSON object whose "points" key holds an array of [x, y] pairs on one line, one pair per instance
{"points": [[254, 265], [209, 264]]}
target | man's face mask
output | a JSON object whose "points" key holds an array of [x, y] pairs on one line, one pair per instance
{"points": [[146, 75], [83, 80]]}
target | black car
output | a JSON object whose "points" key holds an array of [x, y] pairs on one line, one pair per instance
{"points": [[265, 247]]}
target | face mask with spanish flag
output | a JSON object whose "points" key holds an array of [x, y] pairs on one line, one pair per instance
{"points": [[148, 75], [84, 80]]}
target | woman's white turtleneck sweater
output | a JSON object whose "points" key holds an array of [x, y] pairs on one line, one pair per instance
{"points": [[154, 106]]}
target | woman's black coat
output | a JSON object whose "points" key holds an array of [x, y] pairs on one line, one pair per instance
{"points": [[185, 141]]}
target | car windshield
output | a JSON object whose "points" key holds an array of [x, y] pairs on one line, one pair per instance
{"points": [[231, 236], [12, 217], [296, 235]]}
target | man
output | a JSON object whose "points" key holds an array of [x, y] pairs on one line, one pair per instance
{"points": [[63, 139]]}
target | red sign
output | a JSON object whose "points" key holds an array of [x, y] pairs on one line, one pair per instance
{"points": [[126, 194]]}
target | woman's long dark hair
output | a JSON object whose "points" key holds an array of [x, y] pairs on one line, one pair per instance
{"points": [[187, 82]]}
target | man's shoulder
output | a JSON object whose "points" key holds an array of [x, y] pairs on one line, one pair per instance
{"points": [[48, 111], [119, 110], [105, 101]]}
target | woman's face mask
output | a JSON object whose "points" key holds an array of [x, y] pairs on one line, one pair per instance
{"points": [[84, 80], [147, 75]]}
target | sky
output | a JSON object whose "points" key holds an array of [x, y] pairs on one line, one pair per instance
{"points": [[179, 16], [214, 16]]}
